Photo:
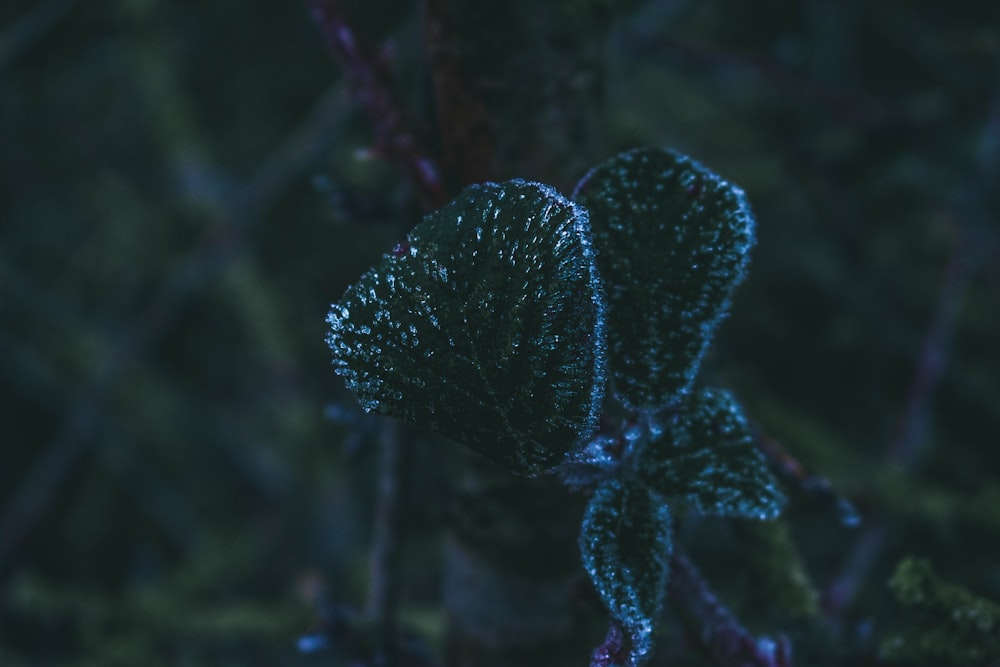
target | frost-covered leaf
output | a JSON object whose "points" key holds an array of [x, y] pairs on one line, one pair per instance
{"points": [[672, 240], [625, 543], [706, 457], [485, 325]]}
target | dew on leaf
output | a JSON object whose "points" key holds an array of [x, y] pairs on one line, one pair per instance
{"points": [[706, 458], [633, 432], [491, 266], [625, 545], [673, 240]]}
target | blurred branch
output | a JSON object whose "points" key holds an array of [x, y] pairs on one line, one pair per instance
{"points": [[302, 149], [307, 144], [152, 494], [716, 628], [792, 473], [382, 604], [51, 469], [462, 116], [32, 27], [932, 361], [904, 450], [392, 136], [373, 638]]}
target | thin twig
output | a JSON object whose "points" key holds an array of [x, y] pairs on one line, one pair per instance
{"points": [[48, 473], [792, 473], [932, 361], [392, 136], [715, 626], [463, 121], [905, 449], [854, 572], [304, 148], [383, 590], [161, 503]]}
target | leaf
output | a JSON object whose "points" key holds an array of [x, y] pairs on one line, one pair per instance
{"points": [[625, 542], [673, 240], [486, 325], [706, 456]]}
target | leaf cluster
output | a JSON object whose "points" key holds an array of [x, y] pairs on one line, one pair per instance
{"points": [[503, 318]]}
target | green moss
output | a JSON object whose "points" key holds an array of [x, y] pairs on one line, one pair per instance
{"points": [[948, 625], [194, 611]]}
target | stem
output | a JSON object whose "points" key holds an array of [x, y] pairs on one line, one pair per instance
{"points": [[715, 626], [904, 451], [790, 471], [463, 121], [393, 138], [383, 590]]}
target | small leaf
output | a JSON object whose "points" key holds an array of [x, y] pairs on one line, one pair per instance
{"points": [[673, 240], [625, 543], [706, 456], [485, 325]]}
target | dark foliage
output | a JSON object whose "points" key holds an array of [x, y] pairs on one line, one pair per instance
{"points": [[185, 187]]}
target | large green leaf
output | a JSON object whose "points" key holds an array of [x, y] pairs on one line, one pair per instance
{"points": [[485, 325], [672, 240], [625, 543], [706, 457]]}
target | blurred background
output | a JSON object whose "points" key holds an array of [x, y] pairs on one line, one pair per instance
{"points": [[186, 187]]}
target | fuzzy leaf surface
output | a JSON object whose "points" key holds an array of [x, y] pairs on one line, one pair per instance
{"points": [[486, 325], [625, 543], [706, 457], [673, 240]]}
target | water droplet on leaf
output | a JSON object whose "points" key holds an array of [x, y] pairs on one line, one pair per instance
{"points": [[486, 356], [674, 240]]}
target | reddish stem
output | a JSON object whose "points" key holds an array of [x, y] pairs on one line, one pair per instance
{"points": [[714, 625], [392, 137]]}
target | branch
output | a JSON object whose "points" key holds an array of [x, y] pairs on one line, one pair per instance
{"points": [[791, 472], [383, 589], [932, 361], [303, 149], [392, 137], [714, 625], [463, 121], [905, 449]]}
